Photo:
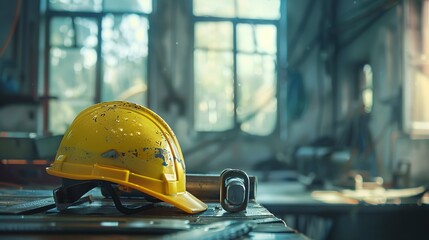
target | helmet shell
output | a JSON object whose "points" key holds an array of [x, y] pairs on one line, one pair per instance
{"points": [[127, 144]]}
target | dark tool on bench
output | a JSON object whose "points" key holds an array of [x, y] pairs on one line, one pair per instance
{"points": [[234, 190]]}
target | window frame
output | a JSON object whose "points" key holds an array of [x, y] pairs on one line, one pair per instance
{"points": [[98, 16], [412, 64], [280, 128]]}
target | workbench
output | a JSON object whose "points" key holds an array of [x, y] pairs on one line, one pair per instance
{"points": [[31, 214], [336, 216]]}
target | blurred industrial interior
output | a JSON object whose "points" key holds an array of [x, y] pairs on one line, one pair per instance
{"points": [[310, 95]]}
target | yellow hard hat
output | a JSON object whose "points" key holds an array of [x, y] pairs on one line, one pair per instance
{"points": [[126, 144]]}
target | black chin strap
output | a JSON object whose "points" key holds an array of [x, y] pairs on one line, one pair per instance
{"points": [[118, 204], [72, 191]]}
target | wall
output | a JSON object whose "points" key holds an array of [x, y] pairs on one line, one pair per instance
{"points": [[306, 19], [380, 46], [18, 66]]}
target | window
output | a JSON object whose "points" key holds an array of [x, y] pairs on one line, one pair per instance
{"points": [[235, 65], [366, 88], [97, 51], [416, 69]]}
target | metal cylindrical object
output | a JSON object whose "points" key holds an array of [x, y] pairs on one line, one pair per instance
{"points": [[207, 186]]}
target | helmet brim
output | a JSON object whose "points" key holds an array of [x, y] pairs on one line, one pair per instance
{"points": [[186, 202], [182, 200]]}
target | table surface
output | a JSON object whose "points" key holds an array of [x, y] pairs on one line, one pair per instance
{"points": [[100, 219], [295, 198]]}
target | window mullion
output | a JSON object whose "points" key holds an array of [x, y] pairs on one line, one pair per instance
{"points": [[98, 64], [75, 37], [235, 77]]}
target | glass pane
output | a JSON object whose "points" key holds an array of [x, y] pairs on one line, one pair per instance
{"points": [[218, 8], [86, 32], [257, 38], [257, 102], [264, 9], [257, 9], [214, 92], [76, 5], [72, 73], [125, 50], [213, 35], [420, 97], [62, 114], [144, 6], [63, 34]]}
